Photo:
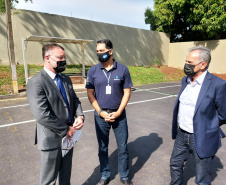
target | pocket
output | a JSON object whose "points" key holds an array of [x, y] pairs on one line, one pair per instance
{"points": [[209, 98], [212, 135], [212, 129]]}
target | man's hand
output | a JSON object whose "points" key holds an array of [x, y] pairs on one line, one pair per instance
{"points": [[78, 123], [70, 132], [109, 117], [106, 116], [114, 115]]}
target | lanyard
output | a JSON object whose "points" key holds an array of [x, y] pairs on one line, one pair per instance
{"points": [[107, 77]]}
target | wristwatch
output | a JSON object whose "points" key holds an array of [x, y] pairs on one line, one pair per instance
{"points": [[99, 112]]}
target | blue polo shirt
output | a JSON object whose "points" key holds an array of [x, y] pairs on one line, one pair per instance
{"points": [[119, 80]]}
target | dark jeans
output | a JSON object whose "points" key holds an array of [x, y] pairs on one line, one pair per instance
{"points": [[121, 134], [184, 146]]}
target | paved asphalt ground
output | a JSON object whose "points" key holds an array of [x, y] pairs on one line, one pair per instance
{"points": [[149, 114]]}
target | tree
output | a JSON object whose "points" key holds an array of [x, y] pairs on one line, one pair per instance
{"points": [[11, 2], [8, 4], [188, 20]]}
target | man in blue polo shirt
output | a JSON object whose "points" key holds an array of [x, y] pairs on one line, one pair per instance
{"points": [[108, 89]]}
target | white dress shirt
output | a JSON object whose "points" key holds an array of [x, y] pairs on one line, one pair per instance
{"points": [[188, 100], [51, 74]]}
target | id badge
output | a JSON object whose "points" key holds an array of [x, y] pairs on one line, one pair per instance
{"points": [[108, 89]]}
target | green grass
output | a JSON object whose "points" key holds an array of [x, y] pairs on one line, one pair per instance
{"points": [[75, 69], [143, 75], [34, 69], [140, 75], [6, 80]]}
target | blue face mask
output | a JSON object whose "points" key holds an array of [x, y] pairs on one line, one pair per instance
{"points": [[104, 57]]}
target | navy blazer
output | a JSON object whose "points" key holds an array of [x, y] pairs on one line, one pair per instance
{"points": [[210, 114]]}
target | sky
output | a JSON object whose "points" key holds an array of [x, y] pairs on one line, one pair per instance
{"points": [[120, 12]]}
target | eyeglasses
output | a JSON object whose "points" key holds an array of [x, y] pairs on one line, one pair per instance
{"points": [[189, 62], [59, 57]]}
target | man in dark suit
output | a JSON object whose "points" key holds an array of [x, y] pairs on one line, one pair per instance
{"points": [[58, 113], [199, 111]]}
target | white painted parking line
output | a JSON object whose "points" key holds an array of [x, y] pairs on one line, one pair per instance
{"points": [[139, 89], [28, 104], [162, 93], [13, 99], [143, 101], [14, 106], [29, 121], [17, 123], [91, 110]]}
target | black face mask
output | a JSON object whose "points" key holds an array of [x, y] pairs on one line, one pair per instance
{"points": [[61, 65], [103, 57], [189, 70]]}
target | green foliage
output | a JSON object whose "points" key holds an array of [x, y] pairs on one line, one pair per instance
{"points": [[189, 20], [70, 69], [156, 61], [142, 75], [2, 5], [20, 75], [6, 79], [11, 2]]}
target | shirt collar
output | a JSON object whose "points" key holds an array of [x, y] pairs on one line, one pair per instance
{"points": [[114, 65], [200, 79], [50, 73]]}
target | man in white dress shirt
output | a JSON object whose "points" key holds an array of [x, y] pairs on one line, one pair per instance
{"points": [[199, 111]]}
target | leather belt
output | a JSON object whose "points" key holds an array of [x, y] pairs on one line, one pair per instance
{"points": [[110, 110], [185, 131]]}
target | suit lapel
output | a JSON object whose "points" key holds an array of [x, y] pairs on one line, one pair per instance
{"points": [[184, 84], [51, 84], [205, 86]]}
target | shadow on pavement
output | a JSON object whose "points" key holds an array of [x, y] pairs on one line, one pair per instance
{"points": [[189, 169], [139, 150]]}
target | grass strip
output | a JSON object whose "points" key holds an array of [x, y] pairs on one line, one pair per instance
{"points": [[140, 75]]}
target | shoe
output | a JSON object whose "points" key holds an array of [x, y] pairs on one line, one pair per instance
{"points": [[126, 182], [103, 182]]}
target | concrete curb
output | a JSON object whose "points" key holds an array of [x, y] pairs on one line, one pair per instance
{"points": [[76, 87], [10, 96]]}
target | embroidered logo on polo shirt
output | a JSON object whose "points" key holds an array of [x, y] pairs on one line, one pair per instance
{"points": [[116, 78]]}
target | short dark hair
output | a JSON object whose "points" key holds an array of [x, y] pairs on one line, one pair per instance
{"points": [[107, 42], [48, 47]]}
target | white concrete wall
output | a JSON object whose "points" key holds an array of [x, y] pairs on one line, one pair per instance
{"points": [[179, 50], [131, 46]]}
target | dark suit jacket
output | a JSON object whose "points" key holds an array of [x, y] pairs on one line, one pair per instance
{"points": [[50, 110], [210, 113]]}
